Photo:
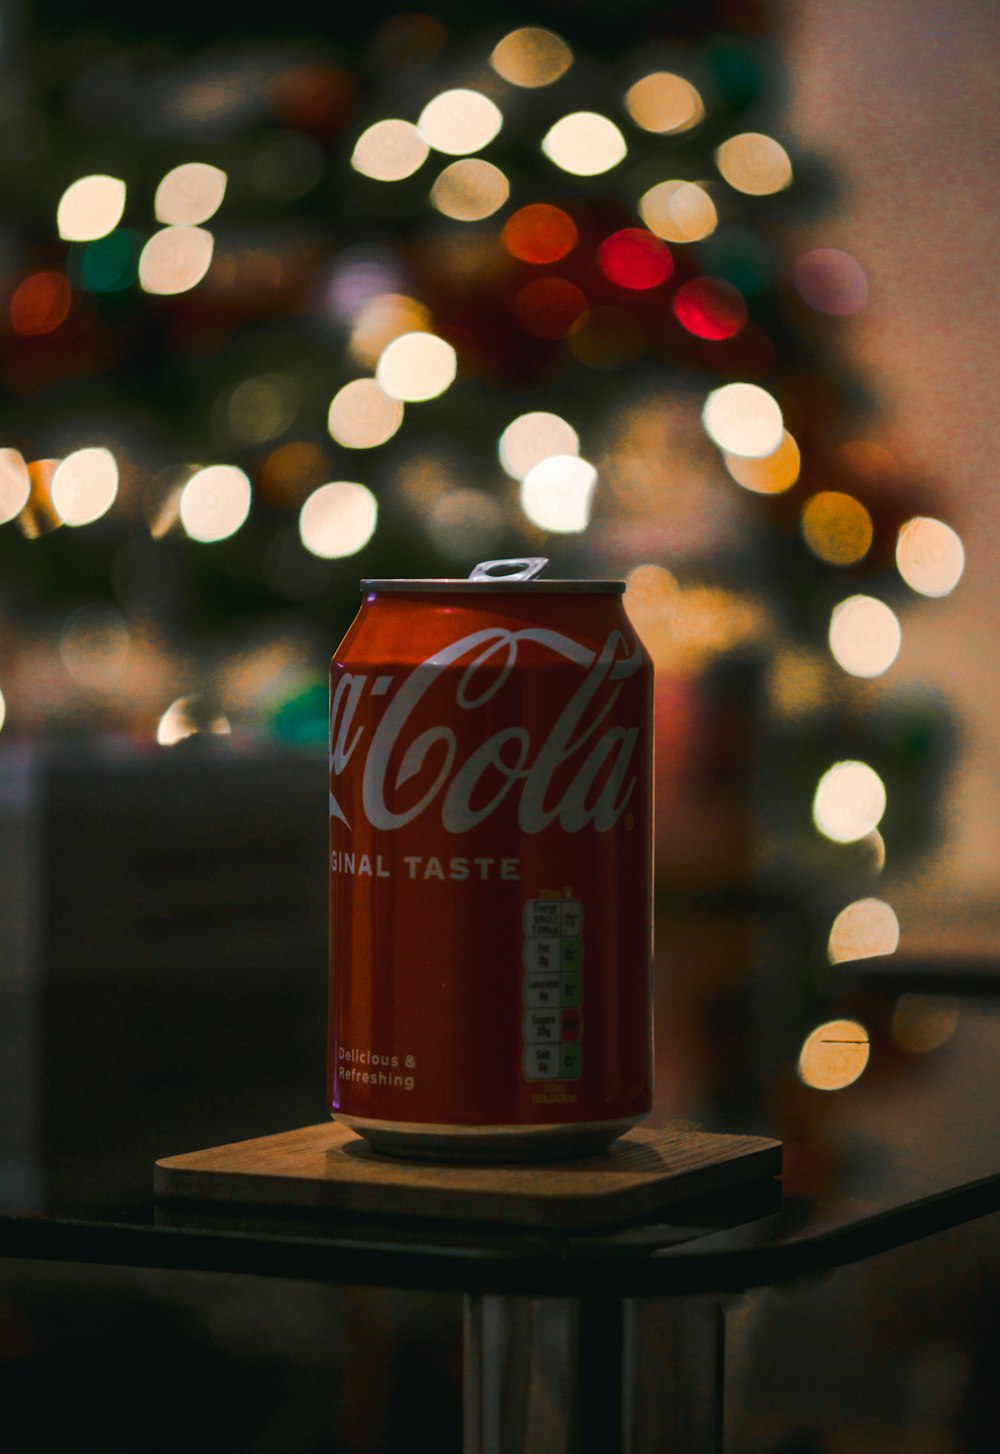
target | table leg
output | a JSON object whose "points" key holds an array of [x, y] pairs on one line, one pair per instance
{"points": [[592, 1376]]}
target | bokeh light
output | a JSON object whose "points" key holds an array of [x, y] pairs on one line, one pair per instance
{"points": [[530, 438], [459, 122], [921, 1023], [834, 1055], [260, 408], [465, 524], [175, 259], [470, 190], [837, 527], [664, 102], [863, 930], [539, 233], [94, 646], [710, 308], [15, 484], [3, 710], [650, 600], [548, 308], [865, 636], [417, 366], [91, 207], [929, 556], [85, 485], [556, 494], [585, 144], [849, 802], [531, 57], [389, 151], [383, 318], [184, 718], [831, 281], [40, 303], [215, 502], [39, 516], [190, 193], [743, 419], [362, 415], [772, 474], [338, 519], [755, 164], [678, 211], [635, 259]]}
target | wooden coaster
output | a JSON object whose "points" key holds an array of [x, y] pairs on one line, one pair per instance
{"points": [[329, 1167]]}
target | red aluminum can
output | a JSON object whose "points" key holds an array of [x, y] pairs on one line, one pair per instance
{"points": [[490, 867]]}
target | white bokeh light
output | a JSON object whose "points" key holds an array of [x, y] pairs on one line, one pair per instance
{"points": [[849, 802], [416, 367], [556, 494], [90, 208], [190, 193], [84, 486], [459, 122], [15, 484], [863, 930], [930, 556], [389, 151], [585, 144], [175, 259], [338, 519], [744, 419], [215, 502], [865, 636], [530, 438]]}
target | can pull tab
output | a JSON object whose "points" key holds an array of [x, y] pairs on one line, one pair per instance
{"points": [[521, 568]]}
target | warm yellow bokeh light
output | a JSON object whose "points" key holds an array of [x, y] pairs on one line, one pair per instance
{"points": [[754, 163], [90, 208], [15, 484], [744, 419], [383, 318], [530, 438], [338, 519], [865, 636], [863, 930], [557, 492], [921, 1023], [362, 415], [531, 57], [584, 143], [929, 556], [770, 475], [84, 486], [651, 596], [215, 502], [664, 103], [184, 718], [470, 190], [175, 259], [837, 527], [459, 122], [417, 366], [678, 211], [834, 1055], [191, 193], [849, 802], [389, 151]]}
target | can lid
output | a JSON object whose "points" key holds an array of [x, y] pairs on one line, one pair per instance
{"points": [[517, 574]]}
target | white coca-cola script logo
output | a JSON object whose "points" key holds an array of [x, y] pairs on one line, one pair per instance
{"points": [[605, 755]]}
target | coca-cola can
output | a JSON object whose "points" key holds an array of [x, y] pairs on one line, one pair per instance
{"points": [[490, 867]]}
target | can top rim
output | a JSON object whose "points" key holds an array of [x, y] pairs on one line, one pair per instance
{"points": [[445, 585]]}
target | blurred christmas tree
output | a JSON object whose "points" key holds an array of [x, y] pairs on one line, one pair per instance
{"points": [[282, 310]]}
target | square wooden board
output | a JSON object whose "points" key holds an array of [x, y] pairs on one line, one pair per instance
{"points": [[328, 1167]]}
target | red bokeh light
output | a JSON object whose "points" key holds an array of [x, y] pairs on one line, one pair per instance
{"points": [[549, 307], [710, 308], [635, 258], [540, 233], [40, 303]]}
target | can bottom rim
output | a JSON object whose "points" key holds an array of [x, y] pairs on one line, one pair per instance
{"points": [[488, 1144]]}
